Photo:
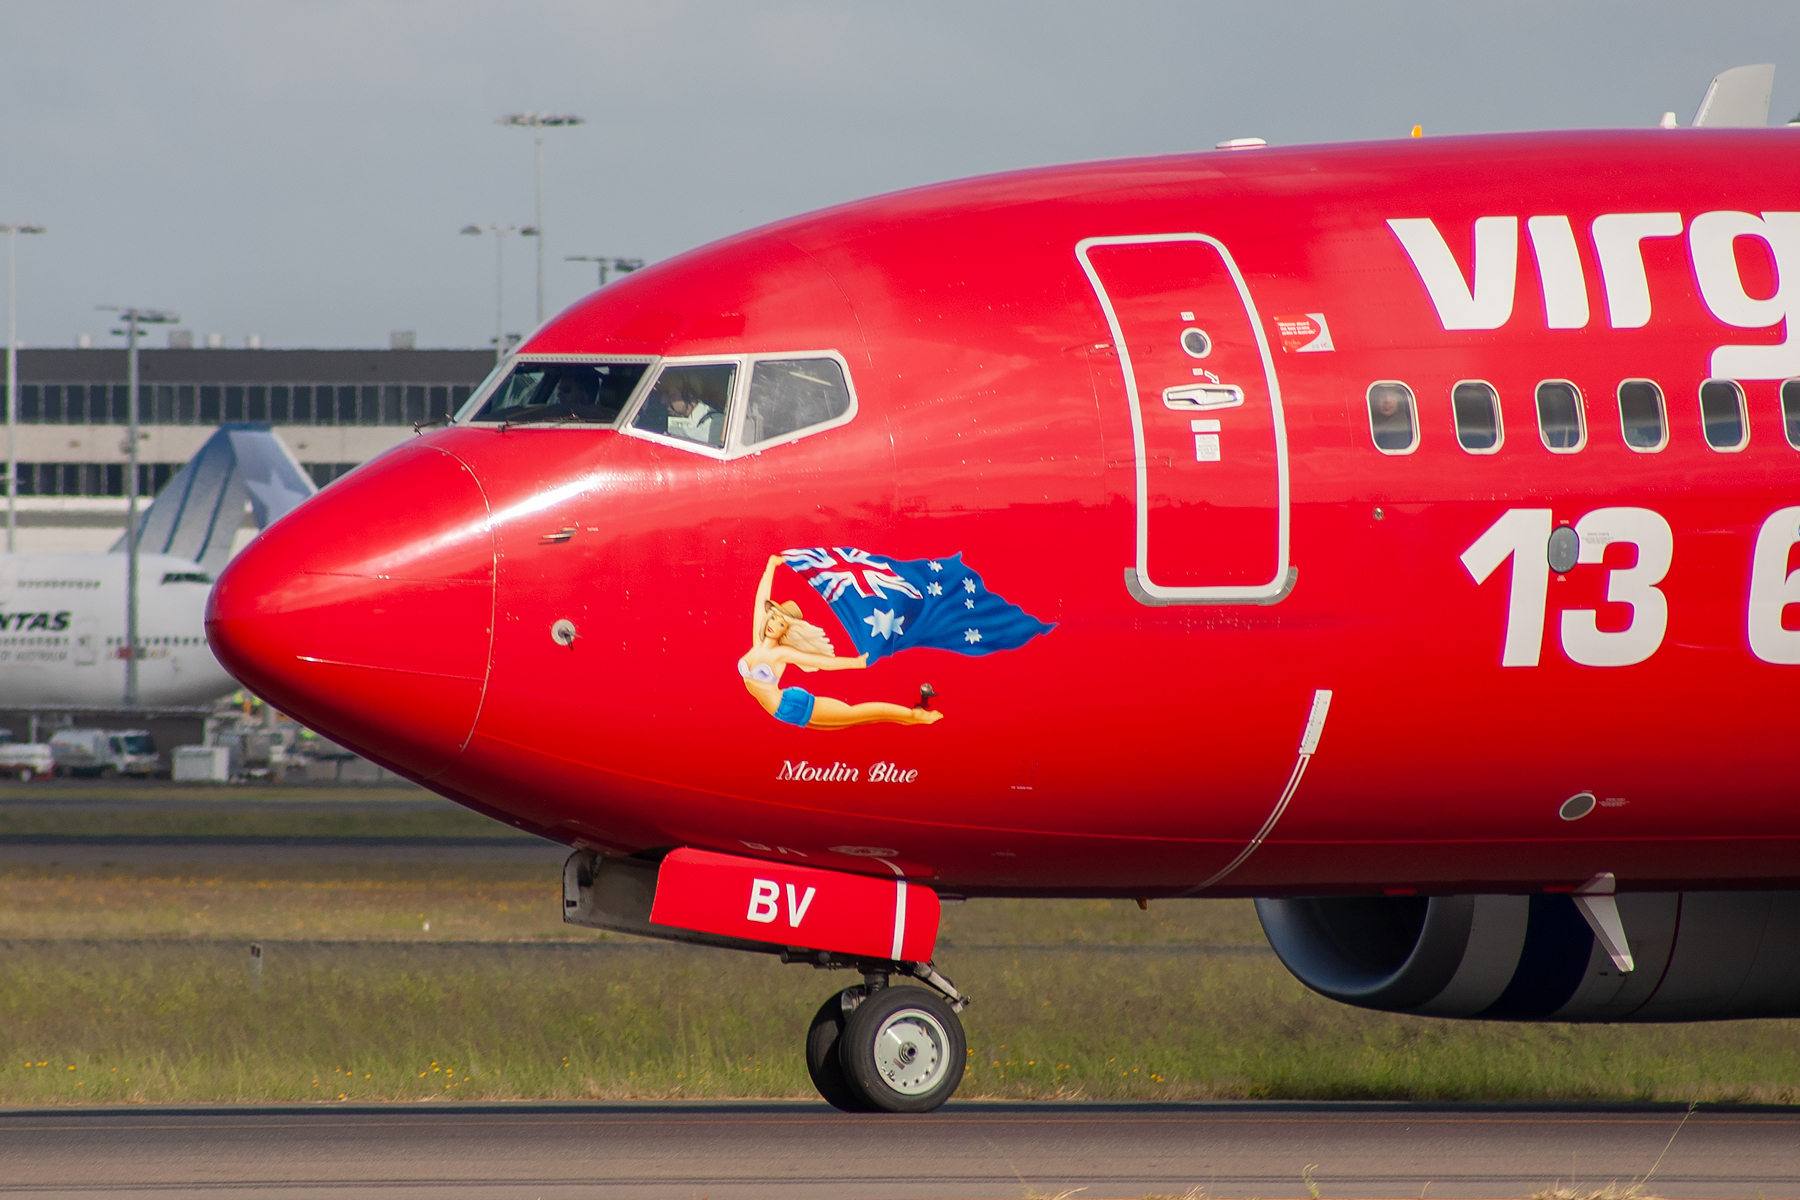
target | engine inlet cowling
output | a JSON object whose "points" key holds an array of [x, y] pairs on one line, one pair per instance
{"points": [[1699, 955]]}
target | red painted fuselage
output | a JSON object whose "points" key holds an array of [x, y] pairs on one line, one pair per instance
{"points": [[545, 620]]}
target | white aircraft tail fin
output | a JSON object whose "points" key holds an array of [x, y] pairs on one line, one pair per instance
{"points": [[197, 514], [1738, 98]]}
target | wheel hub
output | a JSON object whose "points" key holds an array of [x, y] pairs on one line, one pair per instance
{"points": [[909, 1051]]}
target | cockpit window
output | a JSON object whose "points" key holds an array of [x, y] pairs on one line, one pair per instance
{"points": [[689, 403], [571, 393], [789, 395]]}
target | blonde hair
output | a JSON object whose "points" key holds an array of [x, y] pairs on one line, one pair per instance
{"points": [[803, 635]]}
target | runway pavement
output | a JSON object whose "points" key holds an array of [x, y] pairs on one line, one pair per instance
{"points": [[726, 1151]]}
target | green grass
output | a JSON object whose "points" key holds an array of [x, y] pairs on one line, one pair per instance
{"points": [[489, 901], [113, 811], [138, 791], [497, 901], [188, 1022], [138, 977]]}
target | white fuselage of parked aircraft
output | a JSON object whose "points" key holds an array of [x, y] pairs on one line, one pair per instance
{"points": [[62, 631], [63, 640]]}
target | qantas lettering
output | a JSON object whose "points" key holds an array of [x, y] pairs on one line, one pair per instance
{"points": [[21, 621], [1485, 301]]}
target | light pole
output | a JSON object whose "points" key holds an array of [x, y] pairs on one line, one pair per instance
{"points": [[500, 232], [537, 123], [622, 266], [12, 374], [133, 317]]}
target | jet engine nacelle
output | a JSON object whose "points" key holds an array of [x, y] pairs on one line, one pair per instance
{"points": [[1698, 955]]}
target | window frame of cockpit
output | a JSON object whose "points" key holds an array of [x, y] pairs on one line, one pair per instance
{"points": [[651, 363], [738, 405]]}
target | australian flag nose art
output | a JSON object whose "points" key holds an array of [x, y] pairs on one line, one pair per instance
{"points": [[889, 604]]}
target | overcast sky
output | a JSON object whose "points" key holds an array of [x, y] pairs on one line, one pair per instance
{"points": [[300, 171]]}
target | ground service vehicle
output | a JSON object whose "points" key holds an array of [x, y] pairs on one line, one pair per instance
{"points": [[1404, 534], [105, 752], [25, 761]]}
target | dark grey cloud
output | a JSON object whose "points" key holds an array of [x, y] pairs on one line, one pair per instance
{"points": [[300, 170]]}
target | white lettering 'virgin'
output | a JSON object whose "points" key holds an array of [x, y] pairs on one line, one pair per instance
{"points": [[1559, 268], [1617, 238], [1488, 302], [1711, 237]]}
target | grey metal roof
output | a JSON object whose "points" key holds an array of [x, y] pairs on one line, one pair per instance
{"points": [[258, 366]]}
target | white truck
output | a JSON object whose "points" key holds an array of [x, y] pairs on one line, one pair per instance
{"points": [[105, 752], [25, 761]]}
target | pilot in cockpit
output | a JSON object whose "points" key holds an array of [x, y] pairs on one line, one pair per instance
{"points": [[578, 392], [689, 416]]}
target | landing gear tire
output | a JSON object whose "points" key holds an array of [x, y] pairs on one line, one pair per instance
{"points": [[823, 1064], [902, 1050]]}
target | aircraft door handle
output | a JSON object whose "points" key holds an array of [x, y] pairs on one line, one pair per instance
{"points": [[1202, 396]]}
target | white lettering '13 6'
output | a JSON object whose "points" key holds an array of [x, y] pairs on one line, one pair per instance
{"points": [[1523, 535], [1773, 587]]}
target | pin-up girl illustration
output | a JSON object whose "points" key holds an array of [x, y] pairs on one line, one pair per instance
{"points": [[780, 638]]}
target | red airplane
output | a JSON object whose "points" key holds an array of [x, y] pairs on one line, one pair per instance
{"points": [[1402, 534]]}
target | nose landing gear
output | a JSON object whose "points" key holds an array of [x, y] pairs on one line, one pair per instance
{"points": [[878, 1048]]}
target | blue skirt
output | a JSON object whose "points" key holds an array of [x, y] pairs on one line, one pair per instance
{"points": [[796, 707]]}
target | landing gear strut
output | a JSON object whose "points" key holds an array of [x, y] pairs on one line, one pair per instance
{"points": [[880, 1048]]}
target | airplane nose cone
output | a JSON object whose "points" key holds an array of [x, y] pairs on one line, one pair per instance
{"points": [[367, 612]]}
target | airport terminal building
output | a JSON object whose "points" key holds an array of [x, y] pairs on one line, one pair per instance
{"points": [[333, 408]]}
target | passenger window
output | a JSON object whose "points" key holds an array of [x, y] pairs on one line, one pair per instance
{"points": [[1476, 407], [1641, 415], [1559, 413], [788, 395], [1722, 414], [1790, 411], [575, 393], [1393, 417], [688, 403]]}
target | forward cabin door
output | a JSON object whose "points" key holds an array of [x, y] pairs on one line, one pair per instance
{"points": [[1206, 422], [87, 642]]}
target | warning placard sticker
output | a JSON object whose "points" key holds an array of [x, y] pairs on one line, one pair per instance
{"points": [[1305, 333]]}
